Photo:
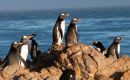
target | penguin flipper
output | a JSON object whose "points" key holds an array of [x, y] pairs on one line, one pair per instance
{"points": [[34, 42], [61, 32], [5, 62], [77, 37], [35, 51]]}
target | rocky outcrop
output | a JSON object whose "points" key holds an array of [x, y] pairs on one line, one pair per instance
{"points": [[126, 75], [87, 63]]}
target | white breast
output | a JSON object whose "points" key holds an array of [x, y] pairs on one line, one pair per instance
{"points": [[63, 27], [63, 30], [118, 48], [24, 54]]}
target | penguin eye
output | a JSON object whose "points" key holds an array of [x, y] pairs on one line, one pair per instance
{"points": [[24, 37]]}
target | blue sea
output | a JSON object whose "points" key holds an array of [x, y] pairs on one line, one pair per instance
{"points": [[96, 24]]}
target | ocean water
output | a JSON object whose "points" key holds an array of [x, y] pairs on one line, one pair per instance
{"points": [[96, 24]]}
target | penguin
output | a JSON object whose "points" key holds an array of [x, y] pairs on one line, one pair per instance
{"points": [[68, 74], [13, 54], [59, 29], [71, 36], [114, 49], [30, 47], [99, 46], [24, 50]]}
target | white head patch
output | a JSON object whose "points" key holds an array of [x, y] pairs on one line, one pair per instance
{"points": [[24, 36], [118, 38], [15, 42], [75, 19], [62, 14]]}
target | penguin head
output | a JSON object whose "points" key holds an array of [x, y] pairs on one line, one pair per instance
{"points": [[24, 39], [117, 40], [16, 44], [62, 16], [75, 20]]}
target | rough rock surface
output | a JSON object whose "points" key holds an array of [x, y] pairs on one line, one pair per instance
{"points": [[87, 63]]}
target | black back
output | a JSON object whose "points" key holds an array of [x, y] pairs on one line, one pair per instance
{"points": [[72, 36], [99, 45], [35, 51]]}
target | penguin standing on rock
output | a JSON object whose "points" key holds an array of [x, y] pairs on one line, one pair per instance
{"points": [[59, 29], [71, 36], [114, 49], [24, 50], [13, 55], [30, 46]]}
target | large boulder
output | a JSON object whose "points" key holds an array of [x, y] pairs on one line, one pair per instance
{"points": [[87, 63]]}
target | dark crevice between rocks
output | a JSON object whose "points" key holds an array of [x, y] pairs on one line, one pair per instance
{"points": [[117, 75], [17, 77], [94, 60], [45, 61]]}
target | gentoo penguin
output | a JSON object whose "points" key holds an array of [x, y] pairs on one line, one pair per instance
{"points": [[114, 49], [68, 74], [25, 49], [99, 46], [13, 55], [59, 29], [71, 36], [30, 47]]}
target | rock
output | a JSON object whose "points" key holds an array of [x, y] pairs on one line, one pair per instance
{"points": [[126, 75], [87, 63], [116, 69]]}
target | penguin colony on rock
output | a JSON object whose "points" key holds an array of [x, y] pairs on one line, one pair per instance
{"points": [[19, 51]]}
